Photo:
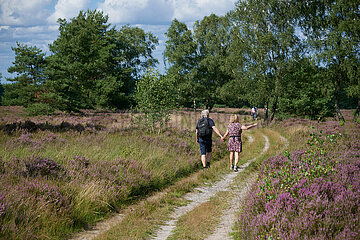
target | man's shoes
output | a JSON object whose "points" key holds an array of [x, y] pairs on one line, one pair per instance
{"points": [[204, 169], [207, 164], [232, 167], [236, 169]]}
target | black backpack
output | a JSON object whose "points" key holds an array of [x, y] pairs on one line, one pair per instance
{"points": [[204, 128]]}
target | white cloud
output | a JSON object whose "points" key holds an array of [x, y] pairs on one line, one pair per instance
{"points": [[33, 33], [24, 12], [40, 36], [192, 10], [162, 11], [137, 11], [67, 9]]}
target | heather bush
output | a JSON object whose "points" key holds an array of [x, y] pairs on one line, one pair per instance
{"points": [[27, 204], [310, 193], [60, 174], [42, 166], [30, 127], [54, 183], [31, 140], [76, 193]]}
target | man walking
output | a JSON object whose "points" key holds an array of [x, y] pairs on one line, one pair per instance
{"points": [[204, 128], [254, 113]]}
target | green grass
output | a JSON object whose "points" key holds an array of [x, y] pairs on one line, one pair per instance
{"points": [[170, 162], [145, 224]]}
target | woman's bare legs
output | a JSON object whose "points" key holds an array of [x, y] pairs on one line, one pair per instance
{"points": [[231, 159], [236, 158], [236, 161]]}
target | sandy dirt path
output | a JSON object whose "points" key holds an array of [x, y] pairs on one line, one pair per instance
{"points": [[199, 196], [203, 195]]}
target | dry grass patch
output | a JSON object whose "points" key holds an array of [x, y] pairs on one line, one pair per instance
{"points": [[199, 223], [142, 220]]}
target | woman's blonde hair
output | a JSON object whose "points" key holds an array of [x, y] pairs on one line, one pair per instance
{"points": [[234, 118]]}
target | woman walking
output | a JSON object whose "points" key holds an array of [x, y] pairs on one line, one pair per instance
{"points": [[234, 131]]}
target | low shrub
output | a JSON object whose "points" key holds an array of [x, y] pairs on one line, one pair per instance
{"points": [[39, 109], [311, 193]]}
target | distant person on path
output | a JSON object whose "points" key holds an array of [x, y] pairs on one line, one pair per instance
{"points": [[254, 113], [204, 128], [234, 130]]}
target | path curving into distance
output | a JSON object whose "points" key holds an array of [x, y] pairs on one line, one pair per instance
{"points": [[197, 198], [203, 195]]}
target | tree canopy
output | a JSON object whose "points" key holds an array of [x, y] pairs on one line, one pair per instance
{"points": [[272, 53], [92, 64], [28, 66], [293, 58], [332, 29]]}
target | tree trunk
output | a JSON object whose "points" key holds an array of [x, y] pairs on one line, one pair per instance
{"points": [[209, 104], [336, 98], [338, 112], [273, 108], [267, 111], [356, 114]]}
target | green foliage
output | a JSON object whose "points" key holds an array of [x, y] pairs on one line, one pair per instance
{"points": [[332, 29], [16, 95], [265, 44], [79, 73], [306, 91], [181, 54], [244, 58], [134, 46], [29, 67], [234, 94], [94, 65], [36, 109], [155, 98], [197, 59], [213, 39]]}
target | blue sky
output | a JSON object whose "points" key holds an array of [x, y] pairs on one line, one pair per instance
{"points": [[33, 22]]}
